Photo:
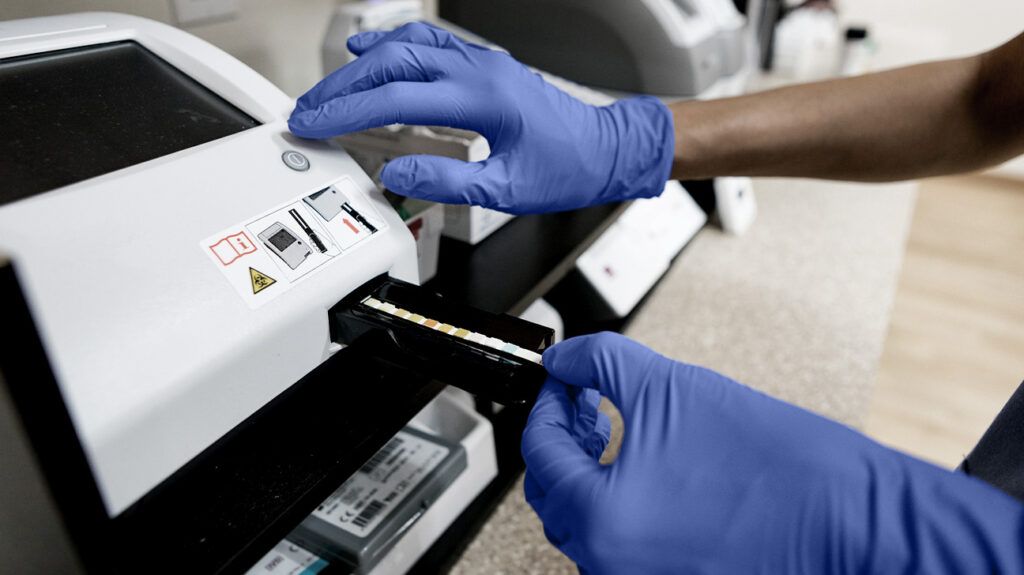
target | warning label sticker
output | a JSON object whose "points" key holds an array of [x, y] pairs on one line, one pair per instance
{"points": [[260, 280], [265, 256]]}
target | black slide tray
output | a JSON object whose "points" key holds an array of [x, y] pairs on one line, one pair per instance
{"points": [[479, 369]]}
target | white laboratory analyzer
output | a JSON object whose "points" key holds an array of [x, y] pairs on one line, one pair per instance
{"points": [[213, 326]]}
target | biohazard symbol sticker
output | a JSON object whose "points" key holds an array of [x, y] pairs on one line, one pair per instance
{"points": [[260, 280]]}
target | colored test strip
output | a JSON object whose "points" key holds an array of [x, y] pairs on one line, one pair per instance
{"points": [[453, 331]]}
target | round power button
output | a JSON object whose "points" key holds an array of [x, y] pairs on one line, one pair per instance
{"points": [[295, 161]]}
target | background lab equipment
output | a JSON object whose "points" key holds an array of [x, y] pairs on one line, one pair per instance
{"points": [[670, 48], [663, 47], [178, 395]]}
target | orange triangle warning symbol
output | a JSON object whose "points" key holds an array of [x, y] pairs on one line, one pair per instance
{"points": [[260, 280]]}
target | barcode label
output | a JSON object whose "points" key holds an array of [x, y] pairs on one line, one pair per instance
{"points": [[371, 511], [382, 484], [381, 456]]}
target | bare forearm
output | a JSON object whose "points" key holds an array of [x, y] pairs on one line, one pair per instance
{"points": [[924, 120]]}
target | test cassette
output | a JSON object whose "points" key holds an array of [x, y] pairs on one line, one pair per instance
{"points": [[361, 521]]}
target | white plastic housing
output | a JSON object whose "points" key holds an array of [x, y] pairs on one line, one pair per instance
{"points": [[156, 354], [632, 255]]}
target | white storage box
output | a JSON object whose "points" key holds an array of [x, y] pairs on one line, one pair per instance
{"points": [[426, 222], [632, 255], [374, 148], [472, 224]]}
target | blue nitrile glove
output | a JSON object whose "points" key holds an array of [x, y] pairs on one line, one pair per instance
{"points": [[714, 477], [549, 151]]}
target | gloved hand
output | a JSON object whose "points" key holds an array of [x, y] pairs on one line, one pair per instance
{"points": [[549, 151], [714, 477]]}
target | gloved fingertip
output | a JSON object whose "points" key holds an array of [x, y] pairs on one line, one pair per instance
{"points": [[359, 43], [301, 120], [305, 102], [553, 359], [548, 357], [561, 359], [300, 108], [399, 176]]}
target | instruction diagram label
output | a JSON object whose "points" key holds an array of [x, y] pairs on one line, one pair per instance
{"points": [[265, 256], [230, 249]]}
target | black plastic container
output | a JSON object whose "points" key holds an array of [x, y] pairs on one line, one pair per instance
{"points": [[490, 373]]}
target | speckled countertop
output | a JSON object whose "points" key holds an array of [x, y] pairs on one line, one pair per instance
{"points": [[798, 307]]}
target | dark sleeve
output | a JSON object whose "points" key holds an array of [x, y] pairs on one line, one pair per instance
{"points": [[999, 456]]}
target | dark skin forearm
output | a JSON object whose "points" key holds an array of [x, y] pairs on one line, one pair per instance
{"points": [[926, 120]]}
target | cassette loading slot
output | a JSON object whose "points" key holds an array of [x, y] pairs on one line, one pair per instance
{"points": [[495, 356]]}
